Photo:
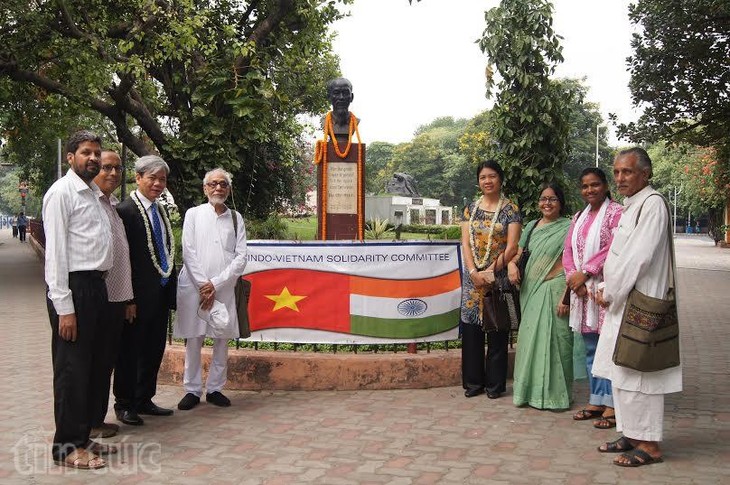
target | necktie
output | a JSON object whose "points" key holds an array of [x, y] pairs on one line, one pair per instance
{"points": [[157, 233]]}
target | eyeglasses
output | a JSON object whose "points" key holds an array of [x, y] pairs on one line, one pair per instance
{"points": [[222, 184], [111, 168], [545, 200]]}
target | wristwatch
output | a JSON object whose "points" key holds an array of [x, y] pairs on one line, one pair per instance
{"points": [[585, 273]]}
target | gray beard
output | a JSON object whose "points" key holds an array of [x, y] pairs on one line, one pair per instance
{"points": [[215, 200]]}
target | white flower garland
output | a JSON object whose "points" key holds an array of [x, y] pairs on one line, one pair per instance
{"points": [[481, 265], [150, 243]]}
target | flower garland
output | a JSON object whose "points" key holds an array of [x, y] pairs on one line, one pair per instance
{"points": [[150, 243], [320, 156], [481, 265]]}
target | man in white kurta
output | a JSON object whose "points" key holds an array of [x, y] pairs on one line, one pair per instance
{"points": [[639, 257], [214, 257]]}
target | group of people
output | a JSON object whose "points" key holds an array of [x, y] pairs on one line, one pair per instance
{"points": [[112, 281], [574, 276], [20, 226]]}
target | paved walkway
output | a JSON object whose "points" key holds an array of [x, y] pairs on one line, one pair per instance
{"points": [[378, 437]]}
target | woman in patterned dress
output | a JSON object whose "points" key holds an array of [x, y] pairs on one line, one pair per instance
{"points": [[586, 248], [490, 226]]}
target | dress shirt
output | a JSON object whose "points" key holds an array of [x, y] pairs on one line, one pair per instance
{"points": [[119, 279], [147, 204], [78, 236]]}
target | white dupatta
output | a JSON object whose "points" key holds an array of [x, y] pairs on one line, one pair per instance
{"points": [[592, 246]]}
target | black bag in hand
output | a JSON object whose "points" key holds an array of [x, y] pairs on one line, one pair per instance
{"points": [[242, 291]]}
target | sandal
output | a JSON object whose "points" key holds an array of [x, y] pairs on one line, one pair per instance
{"points": [[81, 459], [621, 444], [586, 414], [606, 422], [101, 448], [637, 457]]}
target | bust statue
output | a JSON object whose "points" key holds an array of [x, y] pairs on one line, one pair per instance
{"points": [[402, 184], [340, 95]]}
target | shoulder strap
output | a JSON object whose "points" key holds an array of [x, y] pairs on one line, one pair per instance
{"points": [[234, 216], [670, 236], [529, 235]]}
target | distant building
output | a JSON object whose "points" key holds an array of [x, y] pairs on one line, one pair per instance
{"points": [[399, 209]]}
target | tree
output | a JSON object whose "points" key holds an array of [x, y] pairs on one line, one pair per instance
{"points": [[531, 114], [433, 159], [203, 82], [680, 71], [704, 181], [379, 166]]}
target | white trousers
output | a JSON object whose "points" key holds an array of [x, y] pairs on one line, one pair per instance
{"points": [[639, 416], [217, 373]]}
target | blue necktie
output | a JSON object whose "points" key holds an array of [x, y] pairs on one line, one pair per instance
{"points": [[157, 233]]}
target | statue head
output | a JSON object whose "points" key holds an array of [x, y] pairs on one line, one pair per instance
{"points": [[339, 93]]}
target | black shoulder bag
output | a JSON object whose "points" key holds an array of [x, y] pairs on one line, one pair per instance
{"points": [[242, 291]]}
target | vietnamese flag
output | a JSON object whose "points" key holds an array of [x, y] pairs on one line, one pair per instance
{"points": [[343, 303]]}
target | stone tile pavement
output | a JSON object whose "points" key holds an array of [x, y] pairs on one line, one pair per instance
{"points": [[370, 437]]}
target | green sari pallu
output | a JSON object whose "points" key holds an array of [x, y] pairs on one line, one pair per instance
{"points": [[543, 374]]}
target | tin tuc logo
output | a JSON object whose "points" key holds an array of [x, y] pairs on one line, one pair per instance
{"points": [[412, 307]]}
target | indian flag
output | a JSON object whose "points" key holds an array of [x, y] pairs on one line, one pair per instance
{"points": [[338, 302]]}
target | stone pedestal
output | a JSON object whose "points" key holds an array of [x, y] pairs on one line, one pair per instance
{"points": [[341, 212]]}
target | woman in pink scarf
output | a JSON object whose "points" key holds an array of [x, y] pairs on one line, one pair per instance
{"points": [[586, 248]]}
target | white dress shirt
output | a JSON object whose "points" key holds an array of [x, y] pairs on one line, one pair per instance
{"points": [[78, 236], [212, 253]]}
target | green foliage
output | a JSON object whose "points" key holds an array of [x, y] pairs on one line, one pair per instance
{"points": [[679, 71], [205, 83], [10, 201], [379, 229], [451, 232], [700, 176], [378, 167], [530, 119], [301, 228], [423, 228], [273, 227], [435, 162]]}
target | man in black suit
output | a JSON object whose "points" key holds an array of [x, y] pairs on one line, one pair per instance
{"points": [[151, 251]]}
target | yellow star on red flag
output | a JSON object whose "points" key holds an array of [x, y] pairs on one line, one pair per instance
{"points": [[285, 300]]}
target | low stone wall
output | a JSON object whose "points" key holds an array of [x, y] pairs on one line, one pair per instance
{"points": [[256, 370]]}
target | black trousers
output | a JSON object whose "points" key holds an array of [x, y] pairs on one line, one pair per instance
{"points": [[77, 366], [478, 372], [140, 354], [21, 232], [114, 312]]}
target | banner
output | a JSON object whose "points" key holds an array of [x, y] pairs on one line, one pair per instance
{"points": [[354, 293]]}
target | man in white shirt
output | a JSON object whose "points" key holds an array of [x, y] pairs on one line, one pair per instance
{"points": [[120, 307], [639, 257], [78, 255], [214, 256]]}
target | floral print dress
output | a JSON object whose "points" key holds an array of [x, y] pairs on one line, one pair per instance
{"points": [[472, 298]]}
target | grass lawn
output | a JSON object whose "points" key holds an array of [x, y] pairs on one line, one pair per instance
{"points": [[305, 229]]}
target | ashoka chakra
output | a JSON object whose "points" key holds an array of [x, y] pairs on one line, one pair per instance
{"points": [[412, 307]]}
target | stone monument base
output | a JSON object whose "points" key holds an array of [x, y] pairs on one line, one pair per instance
{"points": [[257, 370]]}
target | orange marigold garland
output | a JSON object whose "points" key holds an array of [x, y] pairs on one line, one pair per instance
{"points": [[320, 156]]}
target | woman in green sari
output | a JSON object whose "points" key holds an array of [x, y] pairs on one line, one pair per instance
{"points": [[543, 373]]}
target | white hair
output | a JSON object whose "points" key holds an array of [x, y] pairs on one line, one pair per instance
{"points": [[151, 164], [226, 175]]}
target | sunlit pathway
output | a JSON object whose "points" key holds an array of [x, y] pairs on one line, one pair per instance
{"points": [[360, 437]]}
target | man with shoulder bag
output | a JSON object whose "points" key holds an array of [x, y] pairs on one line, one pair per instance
{"points": [[639, 263], [214, 257]]}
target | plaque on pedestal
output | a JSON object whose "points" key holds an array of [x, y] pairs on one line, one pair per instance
{"points": [[340, 194]]}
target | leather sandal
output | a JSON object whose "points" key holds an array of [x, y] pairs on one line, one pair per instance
{"points": [[637, 457], [81, 459], [586, 414], [606, 422], [620, 445]]}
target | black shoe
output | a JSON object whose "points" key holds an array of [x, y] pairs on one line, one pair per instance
{"points": [[493, 395], [218, 399], [189, 401], [153, 409], [129, 417], [474, 392]]}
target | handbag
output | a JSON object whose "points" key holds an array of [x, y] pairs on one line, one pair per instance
{"points": [[648, 338], [242, 291], [522, 262], [502, 303]]}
